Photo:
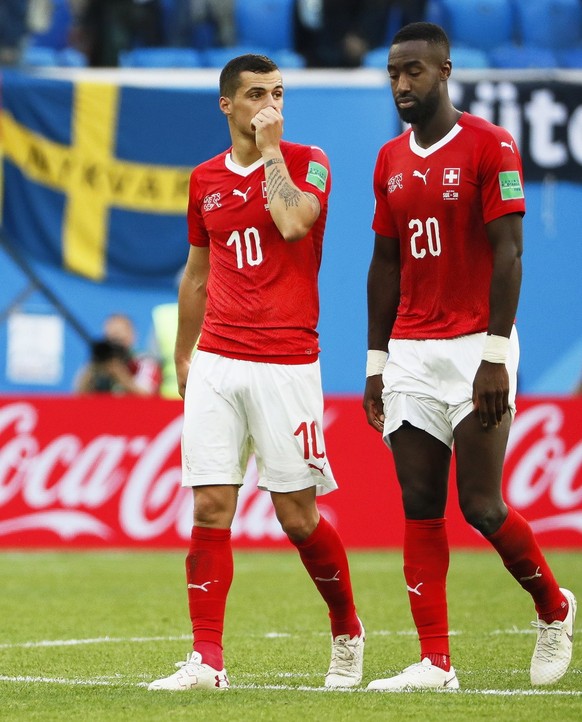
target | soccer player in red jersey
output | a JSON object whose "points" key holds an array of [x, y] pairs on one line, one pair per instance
{"points": [[256, 219], [443, 289]]}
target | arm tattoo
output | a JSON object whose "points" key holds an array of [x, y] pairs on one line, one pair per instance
{"points": [[279, 185], [273, 160]]}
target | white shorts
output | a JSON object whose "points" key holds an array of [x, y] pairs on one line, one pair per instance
{"points": [[233, 408], [429, 383]]}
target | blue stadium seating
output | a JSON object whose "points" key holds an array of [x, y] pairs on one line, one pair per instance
{"points": [[161, 58], [570, 58], [72, 58], [57, 34], [554, 24], [464, 57], [40, 56], [377, 58], [266, 23], [481, 24], [461, 56], [522, 56], [219, 57], [287, 59]]}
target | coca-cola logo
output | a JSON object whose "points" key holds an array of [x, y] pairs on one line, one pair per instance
{"points": [[108, 486], [541, 468]]}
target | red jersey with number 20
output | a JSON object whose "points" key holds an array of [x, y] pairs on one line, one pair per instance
{"points": [[262, 291], [436, 201]]}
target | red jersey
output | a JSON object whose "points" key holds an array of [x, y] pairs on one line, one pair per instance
{"points": [[262, 292], [436, 201]]}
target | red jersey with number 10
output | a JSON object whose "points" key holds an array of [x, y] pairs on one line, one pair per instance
{"points": [[436, 201], [263, 300]]}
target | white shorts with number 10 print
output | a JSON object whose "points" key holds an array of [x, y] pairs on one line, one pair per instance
{"points": [[233, 408], [429, 383]]}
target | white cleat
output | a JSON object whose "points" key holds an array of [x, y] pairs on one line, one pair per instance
{"points": [[347, 660], [192, 674], [553, 650], [422, 675]]}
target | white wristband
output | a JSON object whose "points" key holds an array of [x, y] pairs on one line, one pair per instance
{"points": [[375, 362], [496, 349]]}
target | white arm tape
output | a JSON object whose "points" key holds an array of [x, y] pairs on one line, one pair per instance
{"points": [[496, 349], [375, 362]]}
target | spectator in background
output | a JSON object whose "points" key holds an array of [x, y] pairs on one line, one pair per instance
{"points": [[339, 33], [202, 23], [115, 367], [13, 30], [105, 28]]}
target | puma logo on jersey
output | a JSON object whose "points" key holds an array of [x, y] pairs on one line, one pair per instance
{"points": [[418, 174], [236, 192], [414, 590], [335, 578], [318, 468], [508, 145], [536, 575], [201, 586]]}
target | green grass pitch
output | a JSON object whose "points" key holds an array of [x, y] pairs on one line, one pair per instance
{"points": [[82, 633]]}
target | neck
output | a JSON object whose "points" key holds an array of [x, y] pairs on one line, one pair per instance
{"points": [[244, 150], [436, 128]]}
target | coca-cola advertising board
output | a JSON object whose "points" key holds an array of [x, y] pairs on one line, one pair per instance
{"points": [[103, 472]]}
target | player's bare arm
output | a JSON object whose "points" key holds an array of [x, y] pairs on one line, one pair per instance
{"points": [[383, 298], [191, 307], [293, 211], [491, 385]]}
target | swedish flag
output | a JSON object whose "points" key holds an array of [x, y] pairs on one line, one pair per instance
{"points": [[96, 174]]}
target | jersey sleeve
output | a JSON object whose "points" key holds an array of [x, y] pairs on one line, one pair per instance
{"points": [[383, 223], [310, 171], [197, 233], [501, 176]]}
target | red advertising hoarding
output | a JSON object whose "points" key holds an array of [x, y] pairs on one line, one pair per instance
{"points": [[102, 472]]}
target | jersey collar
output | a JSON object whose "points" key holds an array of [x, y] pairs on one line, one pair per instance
{"points": [[239, 169], [425, 152]]}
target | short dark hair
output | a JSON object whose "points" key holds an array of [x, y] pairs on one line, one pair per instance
{"points": [[230, 76], [429, 32]]}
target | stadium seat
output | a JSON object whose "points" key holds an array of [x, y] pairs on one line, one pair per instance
{"points": [[464, 57], [57, 33], [551, 24], [72, 58], [480, 24], [287, 59], [267, 23], [161, 58], [522, 56], [219, 57], [40, 56], [377, 58], [570, 58]]}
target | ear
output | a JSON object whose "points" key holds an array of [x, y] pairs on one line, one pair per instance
{"points": [[224, 104], [446, 68]]}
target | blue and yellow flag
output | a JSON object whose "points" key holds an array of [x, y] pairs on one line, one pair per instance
{"points": [[96, 174]]}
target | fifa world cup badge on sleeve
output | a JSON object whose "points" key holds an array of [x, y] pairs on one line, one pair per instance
{"points": [[510, 185], [317, 175]]}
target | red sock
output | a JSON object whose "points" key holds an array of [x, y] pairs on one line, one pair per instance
{"points": [[324, 557], [209, 572], [516, 545], [426, 563]]}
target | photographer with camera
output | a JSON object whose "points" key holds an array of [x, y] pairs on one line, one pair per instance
{"points": [[114, 368]]}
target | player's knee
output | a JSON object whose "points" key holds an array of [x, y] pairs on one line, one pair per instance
{"points": [[422, 503], [298, 527], [213, 509], [481, 514]]}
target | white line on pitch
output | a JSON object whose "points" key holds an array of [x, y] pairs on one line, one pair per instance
{"points": [[302, 688], [182, 637]]}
